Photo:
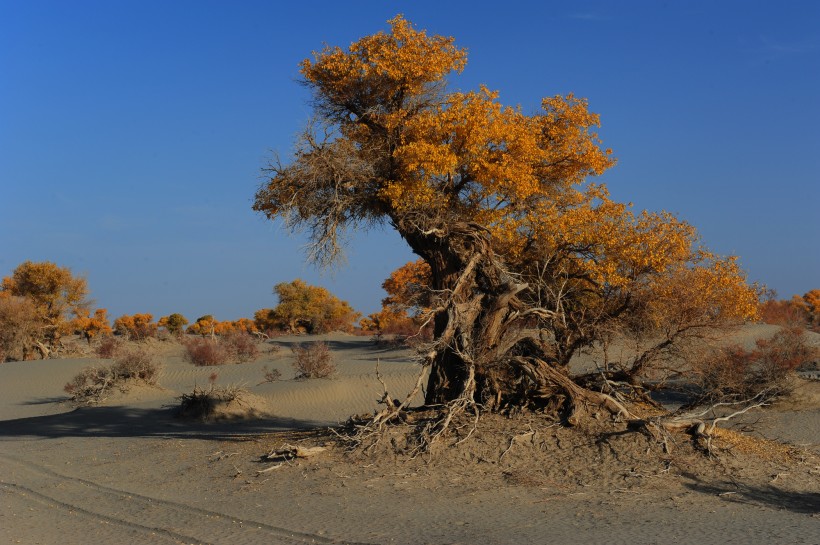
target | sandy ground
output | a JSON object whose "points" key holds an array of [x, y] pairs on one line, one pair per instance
{"points": [[128, 471]]}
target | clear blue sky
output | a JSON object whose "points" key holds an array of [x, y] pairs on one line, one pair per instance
{"points": [[132, 133]]}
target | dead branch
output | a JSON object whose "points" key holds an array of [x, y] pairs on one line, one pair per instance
{"points": [[289, 452]]}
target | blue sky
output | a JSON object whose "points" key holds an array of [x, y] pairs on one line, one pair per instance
{"points": [[132, 133]]}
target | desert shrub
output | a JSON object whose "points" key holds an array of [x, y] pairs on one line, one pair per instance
{"points": [[201, 402], [135, 364], [92, 384], [241, 346], [205, 351], [271, 375], [734, 373], [108, 347], [313, 361], [215, 402]]}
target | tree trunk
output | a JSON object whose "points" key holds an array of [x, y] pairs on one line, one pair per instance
{"points": [[483, 351], [476, 300]]}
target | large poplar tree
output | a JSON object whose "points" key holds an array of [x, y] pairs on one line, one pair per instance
{"points": [[529, 262]]}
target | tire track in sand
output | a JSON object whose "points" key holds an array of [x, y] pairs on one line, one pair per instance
{"points": [[151, 516]]}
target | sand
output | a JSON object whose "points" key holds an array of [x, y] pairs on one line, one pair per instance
{"points": [[129, 471]]}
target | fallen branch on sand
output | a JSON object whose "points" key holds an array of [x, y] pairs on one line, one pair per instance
{"points": [[289, 452]]}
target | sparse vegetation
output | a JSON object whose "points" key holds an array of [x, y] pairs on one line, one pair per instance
{"points": [[216, 402], [205, 351], [236, 347], [313, 360], [795, 312], [108, 347], [734, 373], [93, 384], [270, 375], [241, 346]]}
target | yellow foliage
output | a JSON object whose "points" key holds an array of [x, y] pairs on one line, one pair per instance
{"points": [[92, 326], [54, 290], [311, 308], [408, 288], [400, 149], [137, 326], [204, 325]]}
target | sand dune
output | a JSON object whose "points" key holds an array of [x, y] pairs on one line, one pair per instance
{"points": [[129, 471]]}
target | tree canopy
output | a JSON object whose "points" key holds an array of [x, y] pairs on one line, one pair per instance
{"points": [[53, 295], [306, 308], [529, 262]]}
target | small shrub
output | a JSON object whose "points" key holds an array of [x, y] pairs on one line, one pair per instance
{"points": [[93, 384], [735, 373], [108, 347], [271, 375], [136, 364], [90, 385], [216, 402], [205, 352], [241, 346], [313, 361]]}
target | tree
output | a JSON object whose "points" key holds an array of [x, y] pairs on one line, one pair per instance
{"points": [[529, 262], [92, 326], [265, 320], [406, 309], [812, 300], [21, 327], [174, 323], [408, 288], [204, 325], [137, 327], [795, 312], [312, 309], [55, 293]]}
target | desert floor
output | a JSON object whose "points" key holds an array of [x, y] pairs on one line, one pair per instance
{"points": [[129, 471]]}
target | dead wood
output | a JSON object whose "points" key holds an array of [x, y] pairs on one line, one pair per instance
{"points": [[289, 452]]}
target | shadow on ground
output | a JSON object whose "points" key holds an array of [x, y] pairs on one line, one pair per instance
{"points": [[763, 496], [124, 421]]}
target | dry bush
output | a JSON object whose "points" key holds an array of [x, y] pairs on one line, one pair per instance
{"points": [[108, 347], [271, 375], [136, 364], [241, 346], [313, 361], [90, 385], [734, 373], [205, 352], [93, 384], [205, 403]]}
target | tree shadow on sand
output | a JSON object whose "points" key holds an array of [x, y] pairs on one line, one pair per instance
{"points": [[124, 421], [385, 352], [762, 496]]}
